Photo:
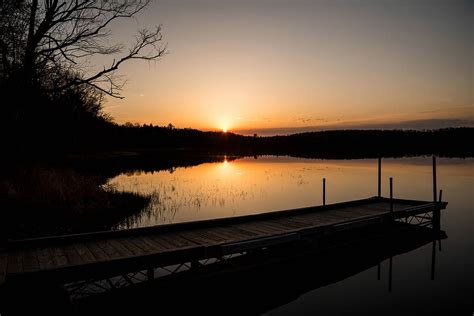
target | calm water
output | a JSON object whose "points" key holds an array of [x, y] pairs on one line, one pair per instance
{"points": [[248, 185]]}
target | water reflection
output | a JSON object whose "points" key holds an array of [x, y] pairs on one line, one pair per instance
{"points": [[248, 185], [423, 280]]}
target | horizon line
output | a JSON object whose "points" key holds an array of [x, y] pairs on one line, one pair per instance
{"points": [[424, 124]]}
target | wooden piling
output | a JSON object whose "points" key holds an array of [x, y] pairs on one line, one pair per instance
{"points": [[379, 177], [436, 213], [324, 191], [434, 180], [391, 196]]}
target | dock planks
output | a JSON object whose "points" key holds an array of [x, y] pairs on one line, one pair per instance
{"points": [[73, 257]]}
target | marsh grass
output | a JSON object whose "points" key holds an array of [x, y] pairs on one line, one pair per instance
{"points": [[40, 201]]}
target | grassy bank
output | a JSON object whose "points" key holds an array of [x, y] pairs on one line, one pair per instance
{"points": [[39, 201]]}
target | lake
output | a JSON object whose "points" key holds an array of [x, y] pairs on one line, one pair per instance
{"points": [[248, 186]]}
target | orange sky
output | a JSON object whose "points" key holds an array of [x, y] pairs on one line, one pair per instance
{"points": [[246, 65]]}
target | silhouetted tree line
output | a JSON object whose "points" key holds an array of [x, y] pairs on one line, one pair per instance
{"points": [[372, 143], [170, 143], [342, 143], [196, 147]]}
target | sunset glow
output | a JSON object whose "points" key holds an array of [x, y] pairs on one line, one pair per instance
{"points": [[281, 66]]}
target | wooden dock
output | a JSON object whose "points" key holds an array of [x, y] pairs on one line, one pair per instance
{"points": [[99, 255], [272, 277]]}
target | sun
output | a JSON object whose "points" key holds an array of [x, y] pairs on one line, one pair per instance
{"points": [[223, 124], [224, 127]]}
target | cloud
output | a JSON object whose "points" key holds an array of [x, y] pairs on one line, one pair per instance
{"points": [[409, 124]]}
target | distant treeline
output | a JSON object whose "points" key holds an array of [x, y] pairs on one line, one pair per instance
{"points": [[341, 143], [364, 143], [107, 137], [371, 143]]}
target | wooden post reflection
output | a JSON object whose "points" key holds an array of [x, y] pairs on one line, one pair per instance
{"points": [[390, 275], [433, 260]]}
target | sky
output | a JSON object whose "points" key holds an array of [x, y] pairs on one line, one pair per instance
{"points": [[282, 66]]}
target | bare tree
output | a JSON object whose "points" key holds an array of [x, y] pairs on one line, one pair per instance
{"points": [[50, 41], [13, 23]]}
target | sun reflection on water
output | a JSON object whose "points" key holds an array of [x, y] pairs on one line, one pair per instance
{"points": [[247, 186]]}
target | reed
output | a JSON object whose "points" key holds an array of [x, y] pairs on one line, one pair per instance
{"points": [[39, 200]]}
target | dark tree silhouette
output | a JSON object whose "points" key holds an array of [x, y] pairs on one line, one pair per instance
{"points": [[51, 97], [44, 44]]}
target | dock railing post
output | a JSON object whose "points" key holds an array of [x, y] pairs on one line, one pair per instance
{"points": [[391, 196], [324, 191], [437, 212], [379, 177], [434, 180]]}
